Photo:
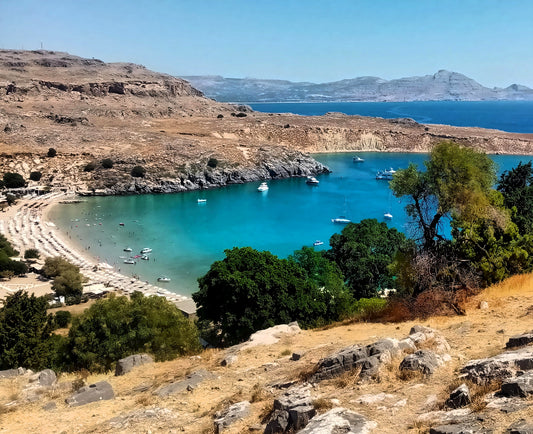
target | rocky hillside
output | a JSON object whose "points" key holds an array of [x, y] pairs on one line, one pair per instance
{"points": [[88, 111], [447, 374], [441, 86]]}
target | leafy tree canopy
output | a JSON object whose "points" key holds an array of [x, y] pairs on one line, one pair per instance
{"points": [[25, 332], [364, 251], [13, 180], [117, 327], [457, 182], [250, 290]]}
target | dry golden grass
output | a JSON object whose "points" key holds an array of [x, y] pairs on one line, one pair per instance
{"points": [[322, 404]]}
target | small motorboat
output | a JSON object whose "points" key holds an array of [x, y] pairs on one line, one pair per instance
{"points": [[127, 249], [387, 216], [341, 220], [202, 200], [121, 224], [357, 159], [130, 261], [311, 180], [163, 279], [263, 187], [318, 243], [146, 250], [145, 257], [385, 174]]}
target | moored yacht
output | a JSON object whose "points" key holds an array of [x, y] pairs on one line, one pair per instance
{"points": [[311, 180], [263, 187]]}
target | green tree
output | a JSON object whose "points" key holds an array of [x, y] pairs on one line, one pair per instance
{"points": [[6, 247], [31, 254], [107, 163], [138, 172], [250, 290], [55, 266], [363, 251], [456, 183], [117, 327], [13, 180], [7, 264], [51, 153], [35, 176], [89, 167], [69, 284], [62, 318], [328, 279], [25, 332], [516, 185]]}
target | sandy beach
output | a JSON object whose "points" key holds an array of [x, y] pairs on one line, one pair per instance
{"points": [[26, 226]]}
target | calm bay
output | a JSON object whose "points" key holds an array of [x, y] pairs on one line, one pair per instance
{"points": [[187, 236]]}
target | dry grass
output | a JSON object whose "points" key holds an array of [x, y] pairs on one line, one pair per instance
{"points": [[322, 404], [286, 352], [259, 393], [347, 379]]}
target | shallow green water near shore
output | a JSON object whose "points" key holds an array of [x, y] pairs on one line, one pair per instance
{"points": [[187, 237]]}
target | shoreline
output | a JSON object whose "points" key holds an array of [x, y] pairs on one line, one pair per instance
{"points": [[26, 225]]}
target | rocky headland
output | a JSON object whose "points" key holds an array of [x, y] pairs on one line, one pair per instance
{"points": [[88, 110]]}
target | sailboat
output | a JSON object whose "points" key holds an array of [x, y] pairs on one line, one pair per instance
{"points": [[342, 220]]}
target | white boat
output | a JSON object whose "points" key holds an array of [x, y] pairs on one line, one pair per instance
{"points": [[202, 200], [385, 174], [163, 279], [341, 220], [145, 257], [263, 187], [357, 159], [318, 243], [146, 250], [127, 249], [387, 216], [129, 261], [311, 180]]}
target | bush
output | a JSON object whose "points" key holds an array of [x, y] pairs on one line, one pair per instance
{"points": [[13, 180], [62, 318], [35, 176], [67, 279], [31, 254], [212, 162], [11, 199], [107, 163], [138, 172], [117, 327], [51, 153], [25, 332], [89, 167]]}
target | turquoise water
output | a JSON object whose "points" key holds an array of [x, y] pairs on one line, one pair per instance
{"points": [[187, 237], [512, 116]]}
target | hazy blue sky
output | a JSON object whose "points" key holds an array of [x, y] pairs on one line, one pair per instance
{"points": [[300, 40]]}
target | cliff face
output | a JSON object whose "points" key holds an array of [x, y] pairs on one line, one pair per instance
{"points": [[441, 86], [89, 110]]}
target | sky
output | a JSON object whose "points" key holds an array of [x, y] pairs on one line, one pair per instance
{"points": [[490, 41]]}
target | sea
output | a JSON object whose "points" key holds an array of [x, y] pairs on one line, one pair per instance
{"points": [[187, 236]]}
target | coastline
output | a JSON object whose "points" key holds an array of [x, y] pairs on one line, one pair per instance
{"points": [[26, 225]]}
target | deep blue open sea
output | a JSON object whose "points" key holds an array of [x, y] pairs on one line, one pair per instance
{"points": [[512, 116], [186, 237]]}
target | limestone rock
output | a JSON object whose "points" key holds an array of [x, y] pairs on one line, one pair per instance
{"points": [[292, 411], [459, 397], [235, 412], [9, 373], [190, 382], [463, 428], [126, 364], [521, 427], [423, 360], [519, 340], [230, 359], [47, 377], [100, 391], [483, 305], [338, 420], [519, 386], [271, 335], [501, 366]]}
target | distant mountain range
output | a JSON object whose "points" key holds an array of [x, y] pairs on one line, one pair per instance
{"points": [[442, 86]]}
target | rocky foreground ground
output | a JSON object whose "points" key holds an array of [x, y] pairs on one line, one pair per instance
{"points": [[450, 374], [89, 110]]}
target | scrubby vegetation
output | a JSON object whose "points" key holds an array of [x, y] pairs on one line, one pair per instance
{"points": [[68, 281], [9, 267], [138, 172], [13, 180]]}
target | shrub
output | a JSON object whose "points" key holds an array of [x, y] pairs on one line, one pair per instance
{"points": [[31, 254], [62, 318], [107, 163], [212, 162], [13, 180], [35, 176], [117, 327], [89, 167], [138, 172], [51, 153], [11, 199]]}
